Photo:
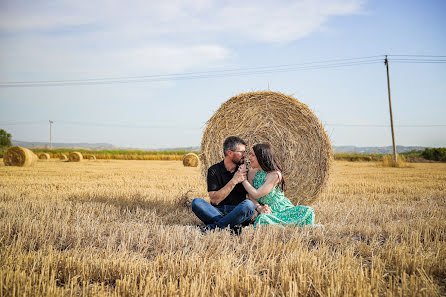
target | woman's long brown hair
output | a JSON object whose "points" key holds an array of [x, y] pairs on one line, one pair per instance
{"points": [[268, 161]]}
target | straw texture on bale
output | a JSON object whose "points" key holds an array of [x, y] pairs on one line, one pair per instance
{"points": [[75, 157], [19, 156], [298, 138], [63, 157], [190, 160], [91, 157], [44, 156]]}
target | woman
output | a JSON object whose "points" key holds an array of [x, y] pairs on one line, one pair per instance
{"points": [[266, 186]]}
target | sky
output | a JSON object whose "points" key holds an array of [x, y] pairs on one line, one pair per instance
{"points": [[75, 43]]}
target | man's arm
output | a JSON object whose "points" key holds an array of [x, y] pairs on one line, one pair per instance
{"points": [[218, 196]]}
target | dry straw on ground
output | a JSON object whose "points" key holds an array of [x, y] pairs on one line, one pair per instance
{"points": [[44, 156], [297, 136], [63, 157], [114, 228], [75, 157], [388, 161], [191, 160], [19, 156], [186, 199]]}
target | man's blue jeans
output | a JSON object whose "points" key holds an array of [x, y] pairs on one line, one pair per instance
{"points": [[224, 215]]}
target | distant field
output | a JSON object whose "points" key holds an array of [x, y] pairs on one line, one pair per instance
{"points": [[116, 228], [412, 157], [120, 154], [178, 155]]}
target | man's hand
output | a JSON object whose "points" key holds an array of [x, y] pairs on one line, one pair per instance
{"points": [[240, 175], [217, 196]]}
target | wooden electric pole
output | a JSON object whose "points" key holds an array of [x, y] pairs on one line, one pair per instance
{"points": [[51, 143], [390, 108]]}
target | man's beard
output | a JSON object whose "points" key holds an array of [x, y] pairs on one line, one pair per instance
{"points": [[239, 162]]}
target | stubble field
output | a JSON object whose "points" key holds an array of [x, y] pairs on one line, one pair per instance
{"points": [[117, 228]]}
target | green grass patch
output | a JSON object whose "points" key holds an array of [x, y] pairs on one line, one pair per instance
{"points": [[354, 157], [429, 154], [118, 154], [435, 154]]}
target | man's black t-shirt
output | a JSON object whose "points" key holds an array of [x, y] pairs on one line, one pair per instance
{"points": [[218, 177]]}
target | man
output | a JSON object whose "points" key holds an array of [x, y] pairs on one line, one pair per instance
{"points": [[228, 206]]}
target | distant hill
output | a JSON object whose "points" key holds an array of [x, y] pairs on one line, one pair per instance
{"points": [[81, 145], [94, 146], [376, 149], [108, 146]]}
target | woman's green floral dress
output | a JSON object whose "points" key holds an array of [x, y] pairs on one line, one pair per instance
{"points": [[283, 211]]}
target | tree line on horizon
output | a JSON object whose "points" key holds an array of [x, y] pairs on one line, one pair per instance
{"points": [[432, 154]]}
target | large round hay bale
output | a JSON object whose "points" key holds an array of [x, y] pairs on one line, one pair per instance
{"points": [[63, 157], [191, 160], [19, 156], [90, 157], [75, 157], [301, 144], [44, 156]]}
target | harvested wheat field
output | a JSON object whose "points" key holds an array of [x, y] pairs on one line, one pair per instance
{"points": [[117, 228]]}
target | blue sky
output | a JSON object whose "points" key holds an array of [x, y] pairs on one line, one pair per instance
{"points": [[78, 40]]}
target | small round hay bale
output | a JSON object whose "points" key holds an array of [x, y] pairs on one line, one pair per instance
{"points": [[75, 157], [90, 157], [63, 157], [301, 144], [19, 156], [190, 160], [44, 156]]}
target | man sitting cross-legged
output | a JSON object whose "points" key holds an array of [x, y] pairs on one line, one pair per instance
{"points": [[229, 206]]}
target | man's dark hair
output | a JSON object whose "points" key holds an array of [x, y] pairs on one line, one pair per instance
{"points": [[231, 143]]}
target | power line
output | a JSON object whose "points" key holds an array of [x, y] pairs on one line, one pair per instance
{"points": [[380, 126], [132, 125], [417, 59], [322, 62], [179, 78], [204, 75], [94, 124], [418, 62], [315, 65], [20, 123], [428, 56]]}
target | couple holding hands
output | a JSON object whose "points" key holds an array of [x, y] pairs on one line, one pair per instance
{"points": [[230, 181]]}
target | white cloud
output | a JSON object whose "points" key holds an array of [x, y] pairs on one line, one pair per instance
{"points": [[268, 21], [284, 21], [131, 37], [65, 59]]}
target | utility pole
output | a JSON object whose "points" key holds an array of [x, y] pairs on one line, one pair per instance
{"points": [[51, 143], [386, 61]]}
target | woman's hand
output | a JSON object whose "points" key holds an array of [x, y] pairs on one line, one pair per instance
{"points": [[240, 175], [264, 208]]}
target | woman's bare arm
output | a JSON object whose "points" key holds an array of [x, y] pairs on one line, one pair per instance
{"points": [[272, 178]]}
